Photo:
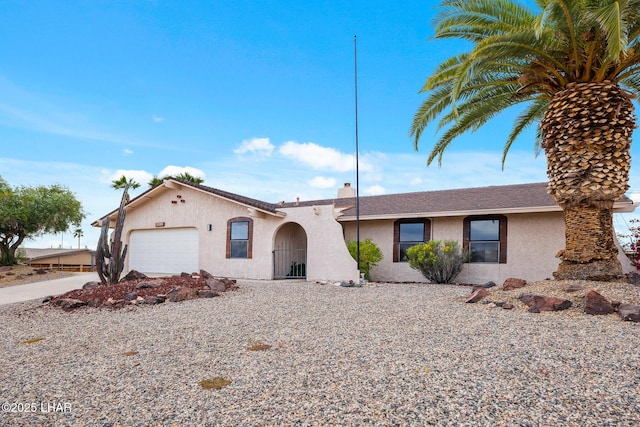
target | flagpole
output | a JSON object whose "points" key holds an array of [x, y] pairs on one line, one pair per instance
{"points": [[355, 72]]}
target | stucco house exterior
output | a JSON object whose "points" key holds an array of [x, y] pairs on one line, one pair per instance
{"points": [[511, 231]]}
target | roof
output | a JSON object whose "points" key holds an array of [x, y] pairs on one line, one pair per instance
{"points": [[515, 198], [38, 253], [171, 183]]}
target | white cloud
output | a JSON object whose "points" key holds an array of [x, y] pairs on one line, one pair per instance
{"points": [[416, 180], [158, 119], [127, 152], [322, 182], [375, 190], [139, 176], [319, 157], [177, 170], [256, 146]]}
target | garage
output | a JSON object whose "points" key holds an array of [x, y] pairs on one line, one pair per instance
{"points": [[171, 251]]}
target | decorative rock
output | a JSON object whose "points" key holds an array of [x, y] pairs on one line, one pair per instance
{"points": [[207, 293], [513, 283], [507, 306], [47, 299], [572, 288], [206, 275], [216, 285], [151, 299], [131, 296], [633, 278], [544, 303], [182, 293], [40, 271], [90, 285], [478, 295], [629, 312], [69, 304], [94, 303], [596, 304], [146, 285], [133, 275], [184, 274]]}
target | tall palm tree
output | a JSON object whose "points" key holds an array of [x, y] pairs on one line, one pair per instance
{"points": [[575, 64]]}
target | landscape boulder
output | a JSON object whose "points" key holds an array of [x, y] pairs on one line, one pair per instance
{"points": [[90, 285], [147, 285], [206, 275], [69, 304], [572, 288], [216, 285], [538, 303], [479, 294], [513, 283], [629, 312], [182, 293], [207, 293], [596, 304], [133, 275]]}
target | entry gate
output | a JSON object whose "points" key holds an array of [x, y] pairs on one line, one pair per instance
{"points": [[289, 263]]}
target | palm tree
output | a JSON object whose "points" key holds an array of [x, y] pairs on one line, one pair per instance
{"points": [[574, 63], [78, 233], [186, 176]]}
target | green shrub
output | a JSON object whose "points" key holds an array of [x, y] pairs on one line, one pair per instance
{"points": [[370, 255], [438, 261]]}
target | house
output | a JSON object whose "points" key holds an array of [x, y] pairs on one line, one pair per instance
{"points": [[61, 259], [512, 230]]}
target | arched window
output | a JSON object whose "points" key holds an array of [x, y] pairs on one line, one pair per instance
{"points": [[239, 237]]}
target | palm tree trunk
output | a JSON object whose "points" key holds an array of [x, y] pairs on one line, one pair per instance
{"points": [[587, 141], [590, 252]]}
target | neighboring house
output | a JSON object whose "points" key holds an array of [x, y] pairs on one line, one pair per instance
{"points": [[512, 231], [61, 259]]}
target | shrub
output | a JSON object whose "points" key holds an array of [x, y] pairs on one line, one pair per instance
{"points": [[370, 255], [438, 261], [632, 247]]}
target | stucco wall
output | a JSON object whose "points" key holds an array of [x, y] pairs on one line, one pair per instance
{"points": [[327, 256], [532, 242]]}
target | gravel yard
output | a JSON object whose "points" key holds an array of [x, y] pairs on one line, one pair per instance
{"points": [[384, 354]]}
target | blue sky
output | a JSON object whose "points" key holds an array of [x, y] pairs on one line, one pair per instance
{"points": [[256, 97]]}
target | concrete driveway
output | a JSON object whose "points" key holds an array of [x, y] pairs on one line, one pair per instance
{"points": [[43, 289]]}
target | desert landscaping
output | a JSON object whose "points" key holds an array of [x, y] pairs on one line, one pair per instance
{"points": [[312, 353]]}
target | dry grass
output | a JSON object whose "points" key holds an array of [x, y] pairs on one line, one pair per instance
{"points": [[21, 274]]}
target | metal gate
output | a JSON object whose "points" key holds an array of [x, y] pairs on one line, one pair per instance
{"points": [[289, 263]]}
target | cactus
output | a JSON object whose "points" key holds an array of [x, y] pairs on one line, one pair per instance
{"points": [[110, 255]]}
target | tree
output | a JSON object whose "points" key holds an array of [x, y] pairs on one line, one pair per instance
{"points": [[78, 233], [27, 212], [370, 255], [184, 176], [575, 65]]}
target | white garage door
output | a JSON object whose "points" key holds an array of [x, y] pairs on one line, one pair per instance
{"points": [[172, 250]]}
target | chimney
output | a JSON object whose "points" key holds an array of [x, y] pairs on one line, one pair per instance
{"points": [[347, 191]]}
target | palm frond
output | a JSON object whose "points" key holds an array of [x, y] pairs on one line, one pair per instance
{"points": [[531, 115]]}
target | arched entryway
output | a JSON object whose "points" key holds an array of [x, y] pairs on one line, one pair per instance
{"points": [[290, 252]]}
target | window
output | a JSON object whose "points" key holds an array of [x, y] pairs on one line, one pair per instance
{"points": [[407, 233], [239, 237], [485, 237]]}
